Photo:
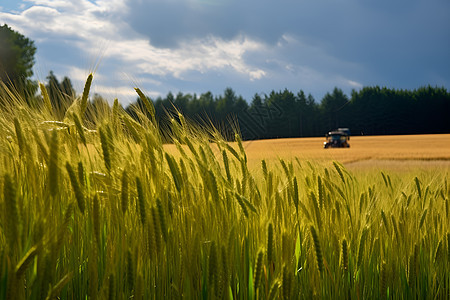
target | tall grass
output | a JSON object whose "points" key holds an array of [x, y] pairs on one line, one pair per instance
{"points": [[99, 207]]}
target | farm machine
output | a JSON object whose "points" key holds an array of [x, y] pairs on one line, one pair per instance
{"points": [[337, 138]]}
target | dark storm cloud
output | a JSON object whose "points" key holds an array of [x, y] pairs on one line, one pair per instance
{"points": [[167, 22], [389, 38]]}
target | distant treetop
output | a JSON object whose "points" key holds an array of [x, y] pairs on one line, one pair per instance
{"points": [[16, 56]]}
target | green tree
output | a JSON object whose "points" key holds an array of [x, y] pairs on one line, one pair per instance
{"points": [[254, 124], [61, 94], [203, 108], [283, 116], [16, 58], [225, 104], [332, 109], [229, 107], [307, 111]]}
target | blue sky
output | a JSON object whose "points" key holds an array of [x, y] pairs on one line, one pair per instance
{"points": [[252, 46]]}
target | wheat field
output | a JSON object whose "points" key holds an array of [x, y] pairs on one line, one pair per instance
{"points": [[432, 147], [100, 207]]}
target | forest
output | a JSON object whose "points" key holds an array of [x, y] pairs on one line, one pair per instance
{"points": [[283, 114]]}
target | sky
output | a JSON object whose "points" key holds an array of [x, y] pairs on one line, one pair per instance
{"points": [[252, 46]]}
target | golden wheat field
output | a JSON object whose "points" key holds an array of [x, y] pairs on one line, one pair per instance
{"points": [[396, 153], [392, 152], [402, 147], [94, 205]]}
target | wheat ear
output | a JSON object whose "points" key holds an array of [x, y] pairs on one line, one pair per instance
{"points": [[148, 104], [80, 129], [44, 94], [124, 192], [105, 147], [141, 200], [317, 247], [84, 97], [258, 268], [162, 219], [79, 195]]}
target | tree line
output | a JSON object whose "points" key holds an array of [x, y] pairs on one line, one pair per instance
{"points": [[371, 110], [279, 114]]}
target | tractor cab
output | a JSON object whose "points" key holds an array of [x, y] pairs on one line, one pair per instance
{"points": [[337, 139]]}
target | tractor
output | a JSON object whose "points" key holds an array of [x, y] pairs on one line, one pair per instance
{"points": [[337, 138]]}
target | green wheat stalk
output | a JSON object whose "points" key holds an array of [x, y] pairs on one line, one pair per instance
{"points": [[53, 168], [11, 212], [344, 254], [270, 244]]}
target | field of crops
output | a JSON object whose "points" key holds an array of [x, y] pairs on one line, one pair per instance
{"points": [[410, 148], [105, 209]]}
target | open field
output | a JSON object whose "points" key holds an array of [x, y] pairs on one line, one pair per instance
{"points": [[402, 153], [111, 212], [386, 152], [403, 147]]}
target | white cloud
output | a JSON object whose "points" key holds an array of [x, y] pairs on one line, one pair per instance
{"points": [[120, 92], [354, 84], [67, 5], [89, 26], [79, 74], [200, 55]]}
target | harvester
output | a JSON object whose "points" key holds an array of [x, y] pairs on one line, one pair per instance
{"points": [[337, 138]]}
